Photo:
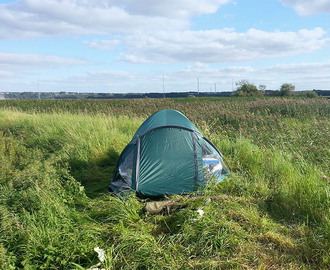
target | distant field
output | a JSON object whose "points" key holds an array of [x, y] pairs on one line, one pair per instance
{"points": [[57, 159]]}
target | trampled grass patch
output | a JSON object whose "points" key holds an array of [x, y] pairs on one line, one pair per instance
{"points": [[57, 159]]}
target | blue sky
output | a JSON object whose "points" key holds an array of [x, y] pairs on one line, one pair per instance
{"points": [[132, 45]]}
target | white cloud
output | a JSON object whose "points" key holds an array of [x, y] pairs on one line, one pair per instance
{"points": [[103, 44], [207, 73], [304, 76], [34, 18], [14, 62], [149, 31], [108, 75], [97, 81], [6, 74], [301, 74], [308, 7], [171, 8], [218, 46]]}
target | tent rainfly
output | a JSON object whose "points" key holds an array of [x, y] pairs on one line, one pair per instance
{"points": [[167, 155]]}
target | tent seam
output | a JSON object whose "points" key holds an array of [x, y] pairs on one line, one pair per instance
{"points": [[137, 169], [196, 161]]}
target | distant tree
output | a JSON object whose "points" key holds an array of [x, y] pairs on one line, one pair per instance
{"points": [[311, 94], [274, 93], [287, 89], [307, 94], [247, 89], [262, 87]]}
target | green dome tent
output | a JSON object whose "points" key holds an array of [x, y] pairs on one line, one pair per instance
{"points": [[167, 155]]}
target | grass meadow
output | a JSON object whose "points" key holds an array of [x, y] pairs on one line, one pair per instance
{"points": [[57, 158]]}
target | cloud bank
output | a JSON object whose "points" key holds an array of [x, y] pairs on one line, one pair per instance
{"points": [[219, 46], [308, 7], [154, 32], [38, 18]]}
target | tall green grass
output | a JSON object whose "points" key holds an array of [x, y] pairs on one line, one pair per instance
{"points": [[292, 125], [56, 162], [39, 197]]}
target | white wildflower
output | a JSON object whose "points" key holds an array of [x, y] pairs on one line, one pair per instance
{"points": [[200, 213], [100, 253]]}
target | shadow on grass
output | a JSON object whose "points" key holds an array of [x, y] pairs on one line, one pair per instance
{"points": [[95, 175]]}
